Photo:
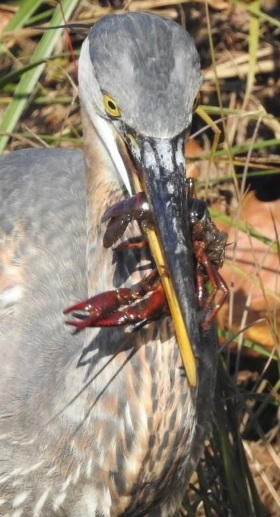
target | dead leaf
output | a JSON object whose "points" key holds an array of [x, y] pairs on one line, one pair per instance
{"points": [[251, 272]]}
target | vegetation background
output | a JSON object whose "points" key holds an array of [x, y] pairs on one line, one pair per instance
{"points": [[239, 45]]}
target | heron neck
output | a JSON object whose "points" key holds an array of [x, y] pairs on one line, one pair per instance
{"points": [[103, 188]]}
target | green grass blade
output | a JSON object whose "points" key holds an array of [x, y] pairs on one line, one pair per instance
{"points": [[261, 14], [23, 14], [254, 31], [29, 79]]}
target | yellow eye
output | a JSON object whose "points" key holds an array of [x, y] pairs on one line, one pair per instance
{"points": [[111, 106], [196, 102]]}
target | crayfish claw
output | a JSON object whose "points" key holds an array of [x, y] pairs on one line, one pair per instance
{"points": [[115, 229], [84, 305], [116, 210], [79, 325], [119, 215]]}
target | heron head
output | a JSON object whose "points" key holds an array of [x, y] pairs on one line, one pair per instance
{"points": [[139, 76], [145, 72]]}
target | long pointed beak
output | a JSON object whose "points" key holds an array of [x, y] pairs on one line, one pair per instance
{"points": [[162, 175]]}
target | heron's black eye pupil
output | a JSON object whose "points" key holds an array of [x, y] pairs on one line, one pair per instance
{"points": [[111, 105]]}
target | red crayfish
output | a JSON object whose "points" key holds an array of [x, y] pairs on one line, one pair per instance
{"points": [[146, 300]]}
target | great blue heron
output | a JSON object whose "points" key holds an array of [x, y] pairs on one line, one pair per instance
{"points": [[103, 423]]}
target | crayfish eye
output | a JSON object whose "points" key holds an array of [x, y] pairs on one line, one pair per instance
{"points": [[198, 210], [111, 106]]}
